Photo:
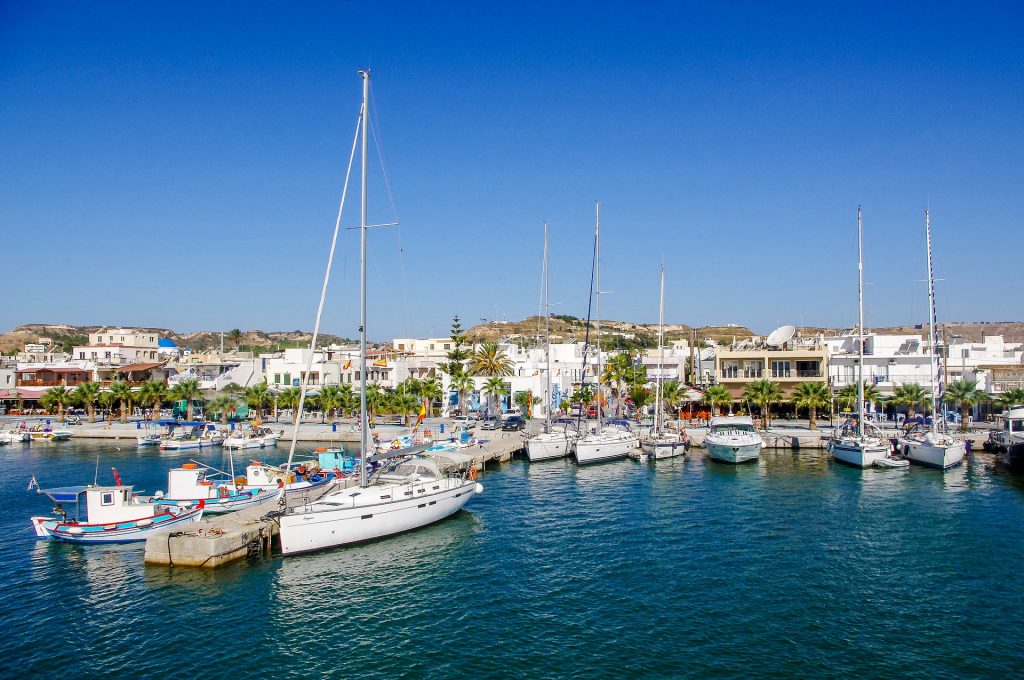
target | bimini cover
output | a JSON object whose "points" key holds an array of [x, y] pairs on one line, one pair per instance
{"points": [[64, 494]]}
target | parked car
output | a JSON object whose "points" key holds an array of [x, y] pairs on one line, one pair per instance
{"points": [[491, 423], [463, 421], [513, 423]]}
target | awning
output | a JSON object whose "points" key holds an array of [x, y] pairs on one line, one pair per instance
{"points": [[27, 393], [64, 494], [138, 367]]}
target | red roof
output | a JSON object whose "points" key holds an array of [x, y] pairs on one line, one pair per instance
{"points": [[60, 369]]}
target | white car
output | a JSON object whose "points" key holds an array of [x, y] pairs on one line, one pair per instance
{"points": [[463, 421]]}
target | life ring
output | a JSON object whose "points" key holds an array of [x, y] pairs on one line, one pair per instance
{"points": [[472, 473], [223, 492]]}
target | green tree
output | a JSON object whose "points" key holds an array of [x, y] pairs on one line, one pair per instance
{"points": [[764, 393], [459, 353], [87, 394], [717, 397], [812, 396], [965, 394], [330, 400], [641, 396], [187, 390], [411, 386], [123, 393], [463, 385], [288, 399], [494, 387], [672, 392], [258, 397], [153, 392], [430, 389], [1010, 398], [848, 394], [376, 399], [235, 337], [56, 398], [222, 405], [583, 395], [347, 399], [525, 402], [490, 360], [910, 395], [233, 389], [405, 404]]}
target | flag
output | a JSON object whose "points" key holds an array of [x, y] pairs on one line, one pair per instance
{"points": [[381, 363], [421, 416], [32, 484], [529, 405], [348, 365]]}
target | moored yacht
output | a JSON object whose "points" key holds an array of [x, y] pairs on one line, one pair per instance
{"points": [[733, 439], [1008, 441]]}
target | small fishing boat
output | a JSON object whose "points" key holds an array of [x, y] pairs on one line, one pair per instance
{"points": [[191, 484], [732, 439], [1008, 441], [13, 435], [252, 437], [301, 477], [150, 434], [113, 514], [45, 432], [191, 435]]}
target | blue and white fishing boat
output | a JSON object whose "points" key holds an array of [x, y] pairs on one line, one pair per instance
{"points": [[191, 484], [113, 514], [191, 435], [300, 477]]}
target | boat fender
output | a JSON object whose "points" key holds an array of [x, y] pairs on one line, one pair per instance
{"points": [[472, 473], [396, 444], [280, 484], [238, 487]]}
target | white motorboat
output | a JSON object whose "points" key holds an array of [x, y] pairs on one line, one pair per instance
{"points": [[14, 435], [660, 443], [556, 440], [851, 443], [256, 437], [45, 432], [407, 492], [932, 446], [616, 439], [890, 462], [733, 439], [191, 435], [1007, 442]]}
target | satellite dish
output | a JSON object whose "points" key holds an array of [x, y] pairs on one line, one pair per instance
{"points": [[780, 336]]}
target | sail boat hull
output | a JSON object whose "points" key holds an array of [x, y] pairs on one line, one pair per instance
{"points": [[606, 444], [548, 446], [938, 454], [322, 529], [857, 453]]}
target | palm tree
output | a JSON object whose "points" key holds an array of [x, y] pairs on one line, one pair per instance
{"points": [[223, 403], [812, 396], [58, 397], [87, 394], [330, 400], [153, 392], [233, 389], [463, 385], [376, 399], [672, 392], [122, 392], [405, 404], [494, 387], [258, 397], [718, 396], [107, 400], [235, 337], [289, 399], [490, 360], [910, 395], [640, 396], [411, 386], [347, 400], [848, 394], [430, 389], [966, 394], [583, 395], [188, 391], [764, 393], [1010, 398], [617, 371]]}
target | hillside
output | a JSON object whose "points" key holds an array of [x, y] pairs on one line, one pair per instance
{"points": [[621, 333], [64, 336], [972, 331]]}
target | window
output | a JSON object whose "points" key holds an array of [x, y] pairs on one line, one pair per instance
{"points": [[730, 369], [780, 369], [81, 355], [106, 498], [287, 378], [447, 345], [277, 378]]}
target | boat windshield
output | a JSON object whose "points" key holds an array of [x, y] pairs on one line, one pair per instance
{"points": [[1015, 425], [733, 428]]}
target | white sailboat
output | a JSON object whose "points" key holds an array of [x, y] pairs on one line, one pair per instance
{"points": [[933, 447], [555, 441], [400, 497], [660, 443], [850, 444], [612, 440]]}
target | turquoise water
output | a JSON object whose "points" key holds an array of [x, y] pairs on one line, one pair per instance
{"points": [[793, 566]]}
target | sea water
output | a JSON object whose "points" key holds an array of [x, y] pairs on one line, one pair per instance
{"points": [[792, 566]]}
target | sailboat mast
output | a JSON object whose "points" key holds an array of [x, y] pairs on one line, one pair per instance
{"points": [[661, 355], [932, 337], [860, 324], [547, 333], [597, 292], [364, 443]]}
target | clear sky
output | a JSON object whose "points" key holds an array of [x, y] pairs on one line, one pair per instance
{"points": [[180, 164]]}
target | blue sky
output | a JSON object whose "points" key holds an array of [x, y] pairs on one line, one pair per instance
{"points": [[180, 164]]}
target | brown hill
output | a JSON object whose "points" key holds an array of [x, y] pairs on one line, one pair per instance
{"points": [[621, 333]]}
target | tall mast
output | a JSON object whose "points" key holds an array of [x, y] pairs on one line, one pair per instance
{"points": [[597, 292], [547, 333], [860, 325], [661, 355], [932, 335], [364, 443]]}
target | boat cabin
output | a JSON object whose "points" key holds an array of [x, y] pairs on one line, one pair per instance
{"points": [[189, 482], [413, 470], [1013, 421], [732, 423], [102, 503]]}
